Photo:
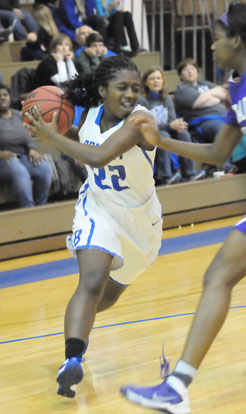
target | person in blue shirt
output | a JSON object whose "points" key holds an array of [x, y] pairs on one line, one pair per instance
{"points": [[82, 33], [71, 14]]}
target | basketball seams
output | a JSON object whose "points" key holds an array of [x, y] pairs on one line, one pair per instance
{"points": [[51, 101], [30, 103]]}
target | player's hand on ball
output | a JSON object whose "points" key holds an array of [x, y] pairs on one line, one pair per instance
{"points": [[37, 126], [147, 126]]}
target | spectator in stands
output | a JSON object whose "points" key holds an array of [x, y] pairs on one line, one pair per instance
{"points": [[71, 14], [49, 3], [118, 19], [38, 43], [10, 11], [200, 103], [20, 163], [157, 100], [89, 58], [81, 33], [58, 65], [5, 32]]}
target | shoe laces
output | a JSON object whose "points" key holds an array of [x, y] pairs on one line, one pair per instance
{"points": [[165, 364]]}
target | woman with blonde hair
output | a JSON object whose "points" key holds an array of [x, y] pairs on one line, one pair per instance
{"points": [[38, 43]]}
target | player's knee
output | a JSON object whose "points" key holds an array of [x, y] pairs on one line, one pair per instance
{"points": [[218, 279], [93, 284], [106, 302]]}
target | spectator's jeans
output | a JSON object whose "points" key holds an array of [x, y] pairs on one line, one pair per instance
{"points": [[7, 17], [209, 129], [20, 172], [163, 158]]}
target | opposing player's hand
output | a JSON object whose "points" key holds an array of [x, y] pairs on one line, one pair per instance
{"points": [[38, 127], [147, 126]]}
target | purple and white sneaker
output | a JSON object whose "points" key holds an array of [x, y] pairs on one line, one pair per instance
{"points": [[171, 397]]}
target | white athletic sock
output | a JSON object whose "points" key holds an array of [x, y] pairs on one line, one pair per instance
{"points": [[186, 369], [185, 374]]}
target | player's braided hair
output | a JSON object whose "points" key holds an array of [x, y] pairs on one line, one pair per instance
{"points": [[83, 89], [236, 17]]}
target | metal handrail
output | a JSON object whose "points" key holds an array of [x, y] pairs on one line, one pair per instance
{"points": [[193, 19]]}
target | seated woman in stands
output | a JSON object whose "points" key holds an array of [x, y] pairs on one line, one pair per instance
{"points": [[38, 43], [156, 98], [20, 163], [58, 65]]}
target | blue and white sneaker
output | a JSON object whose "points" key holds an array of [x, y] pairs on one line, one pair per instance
{"points": [[160, 397], [69, 374]]}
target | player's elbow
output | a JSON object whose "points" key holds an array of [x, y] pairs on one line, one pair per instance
{"points": [[219, 158], [98, 160]]}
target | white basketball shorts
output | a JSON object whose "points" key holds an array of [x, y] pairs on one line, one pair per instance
{"points": [[131, 235]]}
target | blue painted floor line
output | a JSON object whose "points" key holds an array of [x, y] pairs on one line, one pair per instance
{"points": [[111, 325], [65, 267]]}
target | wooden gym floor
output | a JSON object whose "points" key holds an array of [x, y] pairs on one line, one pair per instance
{"points": [[125, 344]]}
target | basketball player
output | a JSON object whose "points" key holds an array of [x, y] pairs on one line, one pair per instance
{"points": [[229, 265], [117, 226]]}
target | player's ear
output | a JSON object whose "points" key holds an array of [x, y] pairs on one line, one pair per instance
{"points": [[102, 91], [237, 40]]}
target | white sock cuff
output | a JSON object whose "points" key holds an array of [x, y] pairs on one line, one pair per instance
{"points": [[183, 368], [176, 384]]}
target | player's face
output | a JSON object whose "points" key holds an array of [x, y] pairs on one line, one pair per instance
{"points": [[222, 49], [189, 74], [4, 100], [154, 81], [121, 94]]}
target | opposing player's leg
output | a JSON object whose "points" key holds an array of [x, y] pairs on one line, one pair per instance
{"points": [[94, 266], [226, 270]]}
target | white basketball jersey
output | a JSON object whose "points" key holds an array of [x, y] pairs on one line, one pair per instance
{"points": [[126, 180]]}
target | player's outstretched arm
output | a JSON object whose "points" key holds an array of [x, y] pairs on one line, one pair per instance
{"points": [[95, 156], [216, 153]]}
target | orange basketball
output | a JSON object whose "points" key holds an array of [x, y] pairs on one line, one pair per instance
{"points": [[50, 99]]}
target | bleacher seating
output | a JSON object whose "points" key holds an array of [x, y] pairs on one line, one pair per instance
{"points": [[43, 228]]}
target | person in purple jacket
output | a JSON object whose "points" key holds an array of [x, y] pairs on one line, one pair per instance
{"points": [[229, 265]]}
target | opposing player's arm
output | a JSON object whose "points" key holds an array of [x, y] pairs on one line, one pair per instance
{"points": [[216, 153], [119, 142]]}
